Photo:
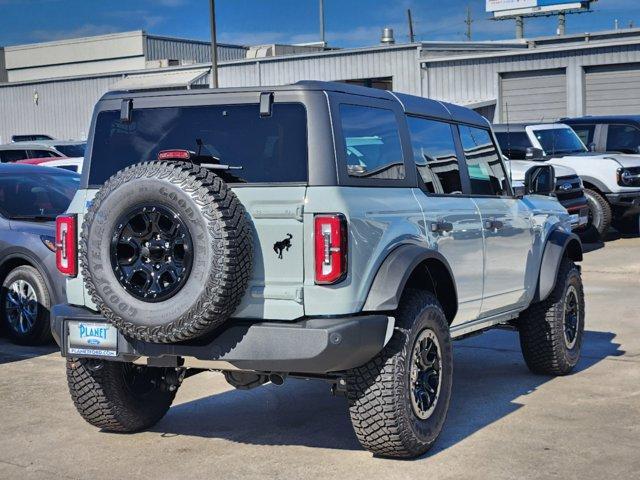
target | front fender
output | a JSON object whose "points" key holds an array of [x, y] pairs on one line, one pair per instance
{"points": [[393, 274], [558, 243]]}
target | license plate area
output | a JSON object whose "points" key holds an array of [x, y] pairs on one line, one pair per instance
{"points": [[95, 339]]}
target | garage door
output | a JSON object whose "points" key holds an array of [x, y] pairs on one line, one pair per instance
{"points": [[533, 96], [613, 90]]}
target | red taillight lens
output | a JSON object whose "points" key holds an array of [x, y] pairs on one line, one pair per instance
{"points": [[331, 248], [66, 247], [174, 155]]}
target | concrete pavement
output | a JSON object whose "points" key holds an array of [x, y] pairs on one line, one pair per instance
{"points": [[504, 422]]}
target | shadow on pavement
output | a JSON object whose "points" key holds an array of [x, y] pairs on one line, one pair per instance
{"points": [[489, 377], [15, 353]]}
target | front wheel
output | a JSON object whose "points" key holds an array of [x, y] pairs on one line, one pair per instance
{"points": [[398, 401], [599, 219], [551, 331], [119, 397]]}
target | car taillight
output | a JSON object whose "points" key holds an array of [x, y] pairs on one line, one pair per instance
{"points": [[174, 155], [66, 246], [331, 248]]}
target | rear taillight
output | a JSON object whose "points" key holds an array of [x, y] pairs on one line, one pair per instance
{"points": [[331, 248], [66, 247]]}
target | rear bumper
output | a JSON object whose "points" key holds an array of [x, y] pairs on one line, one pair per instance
{"points": [[316, 346]]}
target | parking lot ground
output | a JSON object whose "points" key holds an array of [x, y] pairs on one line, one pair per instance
{"points": [[504, 422]]}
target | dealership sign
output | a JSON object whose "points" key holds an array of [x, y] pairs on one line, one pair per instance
{"points": [[501, 8]]}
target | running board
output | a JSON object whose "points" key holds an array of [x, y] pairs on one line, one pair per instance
{"points": [[482, 324]]}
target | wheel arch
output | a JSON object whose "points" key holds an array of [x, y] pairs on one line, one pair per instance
{"points": [[559, 244], [413, 266], [14, 258], [592, 183]]}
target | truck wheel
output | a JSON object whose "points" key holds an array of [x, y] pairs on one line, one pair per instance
{"points": [[25, 307], [398, 401], [599, 216], [166, 251], [116, 396], [551, 331]]}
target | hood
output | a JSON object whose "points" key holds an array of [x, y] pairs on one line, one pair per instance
{"points": [[35, 228], [520, 167], [626, 161]]}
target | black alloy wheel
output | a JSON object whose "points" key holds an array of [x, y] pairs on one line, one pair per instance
{"points": [[151, 253]]}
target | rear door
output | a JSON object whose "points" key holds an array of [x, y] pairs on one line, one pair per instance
{"points": [[453, 222], [506, 222]]}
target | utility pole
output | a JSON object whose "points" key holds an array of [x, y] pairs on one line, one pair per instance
{"points": [[214, 45], [468, 21], [519, 27], [412, 37], [321, 5]]}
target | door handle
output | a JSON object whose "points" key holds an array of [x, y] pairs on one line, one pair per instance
{"points": [[493, 224], [441, 227]]}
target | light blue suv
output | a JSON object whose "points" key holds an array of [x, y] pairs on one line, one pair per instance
{"points": [[316, 230]]}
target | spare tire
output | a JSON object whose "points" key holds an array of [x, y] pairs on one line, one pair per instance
{"points": [[166, 251]]}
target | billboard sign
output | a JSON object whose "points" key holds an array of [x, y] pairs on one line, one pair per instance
{"points": [[503, 8]]}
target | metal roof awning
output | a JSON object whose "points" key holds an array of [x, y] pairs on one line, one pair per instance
{"points": [[166, 79]]}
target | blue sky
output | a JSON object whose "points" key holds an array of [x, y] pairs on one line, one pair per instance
{"points": [[349, 23]]}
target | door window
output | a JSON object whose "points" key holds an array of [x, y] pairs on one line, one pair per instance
{"points": [[41, 154], [371, 142], [585, 132], [486, 172], [8, 156], [623, 138], [434, 153]]}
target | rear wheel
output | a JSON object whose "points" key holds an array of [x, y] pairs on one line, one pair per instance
{"points": [[25, 306], [551, 331], [399, 400], [599, 219], [119, 397]]}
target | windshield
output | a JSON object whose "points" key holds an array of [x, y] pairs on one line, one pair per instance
{"points": [[263, 149], [36, 195], [72, 150], [559, 141]]}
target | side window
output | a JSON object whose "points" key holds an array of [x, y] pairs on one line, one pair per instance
{"points": [[514, 144], [41, 154], [486, 171], [9, 156], [371, 142], [623, 138], [434, 152], [585, 132]]}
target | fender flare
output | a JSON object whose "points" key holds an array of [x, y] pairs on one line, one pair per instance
{"points": [[393, 274], [17, 253], [558, 243]]}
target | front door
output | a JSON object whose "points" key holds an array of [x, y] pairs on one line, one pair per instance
{"points": [[506, 222]]}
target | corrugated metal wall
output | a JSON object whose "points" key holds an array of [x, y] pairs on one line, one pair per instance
{"points": [[399, 63], [470, 80], [159, 48]]}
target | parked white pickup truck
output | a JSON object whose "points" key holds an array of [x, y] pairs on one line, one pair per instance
{"points": [[611, 181]]}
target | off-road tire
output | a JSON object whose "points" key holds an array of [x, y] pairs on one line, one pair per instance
{"points": [[378, 392], [103, 398], [40, 333], [541, 327], [222, 245], [600, 213]]}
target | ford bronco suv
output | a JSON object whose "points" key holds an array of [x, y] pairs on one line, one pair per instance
{"points": [[317, 230], [611, 180]]}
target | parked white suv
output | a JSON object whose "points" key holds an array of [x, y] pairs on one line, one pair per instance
{"points": [[611, 181]]}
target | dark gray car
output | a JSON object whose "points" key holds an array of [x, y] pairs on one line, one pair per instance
{"points": [[30, 199]]}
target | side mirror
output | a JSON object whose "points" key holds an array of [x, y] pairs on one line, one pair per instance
{"points": [[540, 180], [638, 149], [592, 147], [533, 153]]}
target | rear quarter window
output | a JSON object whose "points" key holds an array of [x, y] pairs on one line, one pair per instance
{"points": [[269, 149]]}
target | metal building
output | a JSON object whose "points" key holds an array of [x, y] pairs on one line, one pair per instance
{"points": [[533, 80]]}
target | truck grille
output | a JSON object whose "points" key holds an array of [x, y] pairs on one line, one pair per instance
{"points": [[568, 188]]}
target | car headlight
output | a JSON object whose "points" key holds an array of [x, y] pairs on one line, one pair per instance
{"points": [[49, 242], [628, 177]]}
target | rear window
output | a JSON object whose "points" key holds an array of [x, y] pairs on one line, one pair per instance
{"points": [[269, 149], [72, 150]]}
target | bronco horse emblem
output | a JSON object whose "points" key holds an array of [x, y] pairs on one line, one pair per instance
{"points": [[282, 245]]}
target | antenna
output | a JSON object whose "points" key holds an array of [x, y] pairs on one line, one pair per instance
{"points": [[412, 37], [468, 21]]}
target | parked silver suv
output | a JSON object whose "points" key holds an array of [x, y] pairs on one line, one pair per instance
{"points": [[316, 230]]}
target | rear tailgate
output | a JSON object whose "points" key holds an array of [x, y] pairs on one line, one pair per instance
{"points": [[276, 287]]}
